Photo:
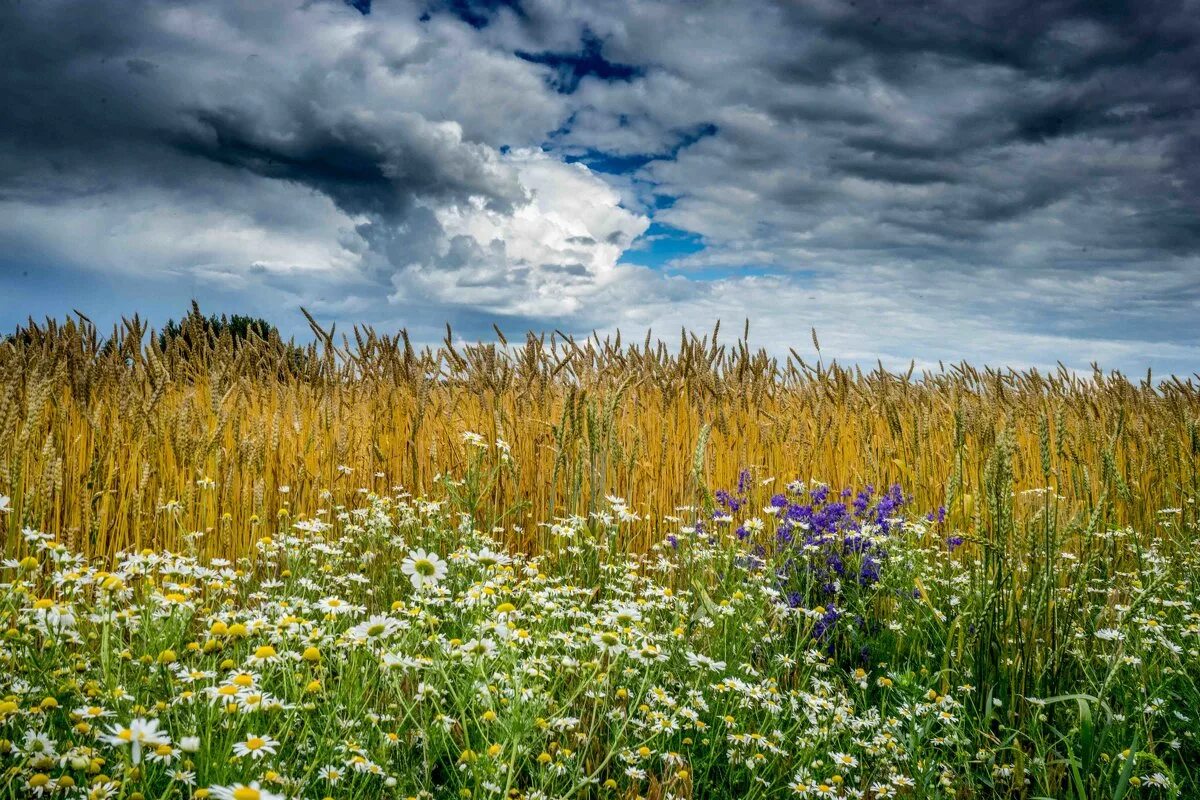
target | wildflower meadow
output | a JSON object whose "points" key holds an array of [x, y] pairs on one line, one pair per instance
{"points": [[245, 570]]}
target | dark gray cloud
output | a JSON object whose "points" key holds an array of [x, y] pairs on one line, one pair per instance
{"points": [[1004, 180]]}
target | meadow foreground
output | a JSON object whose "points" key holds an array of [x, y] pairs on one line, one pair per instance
{"points": [[784, 642]]}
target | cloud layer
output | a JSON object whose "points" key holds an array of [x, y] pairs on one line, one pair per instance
{"points": [[1006, 182]]}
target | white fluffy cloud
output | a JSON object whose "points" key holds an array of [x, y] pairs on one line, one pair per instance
{"points": [[549, 257]]}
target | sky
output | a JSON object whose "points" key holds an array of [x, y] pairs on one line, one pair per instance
{"points": [[1008, 183]]}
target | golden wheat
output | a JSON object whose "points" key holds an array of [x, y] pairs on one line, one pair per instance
{"points": [[118, 442]]}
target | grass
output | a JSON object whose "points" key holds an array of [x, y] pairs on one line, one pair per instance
{"points": [[582, 569], [791, 642]]}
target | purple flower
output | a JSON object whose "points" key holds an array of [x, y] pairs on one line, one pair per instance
{"points": [[826, 622]]}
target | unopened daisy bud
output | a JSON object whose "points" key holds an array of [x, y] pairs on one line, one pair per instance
{"points": [[311, 654]]}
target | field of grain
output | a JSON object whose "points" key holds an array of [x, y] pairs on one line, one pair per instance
{"points": [[238, 568], [114, 443]]}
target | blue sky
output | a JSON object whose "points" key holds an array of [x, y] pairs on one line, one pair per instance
{"points": [[1001, 183]]}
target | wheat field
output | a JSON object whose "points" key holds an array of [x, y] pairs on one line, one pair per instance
{"points": [[128, 440]]}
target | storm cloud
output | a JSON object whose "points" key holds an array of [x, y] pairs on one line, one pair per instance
{"points": [[1000, 181]]}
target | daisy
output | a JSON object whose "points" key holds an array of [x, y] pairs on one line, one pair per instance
{"points": [[139, 732], [490, 558], [265, 654], [376, 627], [424, 569], [184, 776], [608, 642], [478, 648], [242, 791], [92, 712], [256, 746], [37, 743], [334, 605]]}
